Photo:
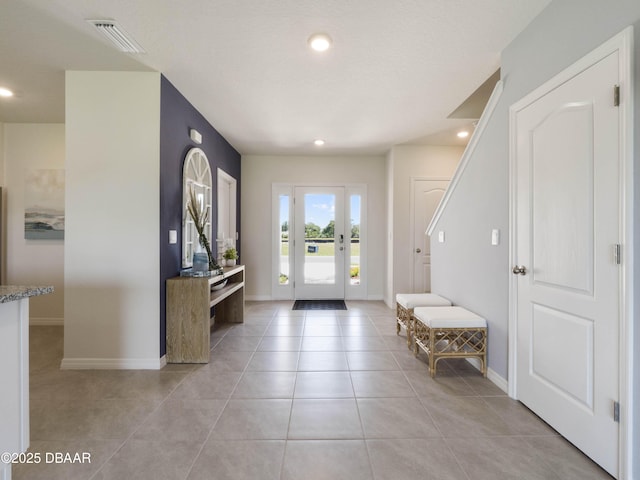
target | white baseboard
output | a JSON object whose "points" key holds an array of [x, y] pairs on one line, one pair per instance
{"points": [[499, 382], [113, 363], [375, 297], [268, 298], [46, 321], [258, 298]]}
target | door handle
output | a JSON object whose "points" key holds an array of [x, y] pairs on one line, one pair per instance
{"points": [[519, 270], [418, 250]]}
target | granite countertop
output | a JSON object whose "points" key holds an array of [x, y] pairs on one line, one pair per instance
{"points": [[11, 293]]}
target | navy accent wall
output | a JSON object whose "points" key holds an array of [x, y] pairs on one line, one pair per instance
{"points": [[177, 116]]}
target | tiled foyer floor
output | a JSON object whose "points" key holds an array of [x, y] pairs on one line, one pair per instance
{"points": [[290, 395]]}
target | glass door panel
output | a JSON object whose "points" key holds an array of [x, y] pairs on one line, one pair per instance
{"points": [[319, 242]]}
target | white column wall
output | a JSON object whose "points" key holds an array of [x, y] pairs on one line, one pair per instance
{"points": [[112, 209]]}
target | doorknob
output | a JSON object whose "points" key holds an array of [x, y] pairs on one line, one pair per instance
{"points": [[418, 250], [519, 270]]}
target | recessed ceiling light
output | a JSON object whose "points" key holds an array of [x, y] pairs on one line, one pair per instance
{"points": [[320, 42], [463, 134], [318, 143], [5, 92]]}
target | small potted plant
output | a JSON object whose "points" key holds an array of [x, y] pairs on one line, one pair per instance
{"points": [[230, 256]]}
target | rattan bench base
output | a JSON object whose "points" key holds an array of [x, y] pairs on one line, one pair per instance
{"points": [[439, 343], [404, 319]]}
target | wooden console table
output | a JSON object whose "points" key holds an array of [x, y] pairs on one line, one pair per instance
{"points": [[189, 321]]}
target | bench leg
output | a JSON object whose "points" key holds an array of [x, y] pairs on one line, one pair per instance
{"points": [[432, 358]]}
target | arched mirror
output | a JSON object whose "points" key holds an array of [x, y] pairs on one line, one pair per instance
{"points": [[196, 176]]}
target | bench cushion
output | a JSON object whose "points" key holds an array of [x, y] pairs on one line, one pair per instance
{"points": [[450, 317], [413, 300]]}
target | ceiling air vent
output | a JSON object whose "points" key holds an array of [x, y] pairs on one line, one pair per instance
{"points": [[117, 36]]}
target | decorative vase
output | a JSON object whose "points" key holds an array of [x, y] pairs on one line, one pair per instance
{"points": [[200, 259]]}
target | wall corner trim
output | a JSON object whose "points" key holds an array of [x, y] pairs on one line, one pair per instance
{"points": [[468, 152]]}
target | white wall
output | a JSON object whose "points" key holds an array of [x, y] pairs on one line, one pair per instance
{"points": [[2, 174], [389, 298], [466, 268], [112, 209], [258, 175], [32, 262], [3, 237], [406, 163]]}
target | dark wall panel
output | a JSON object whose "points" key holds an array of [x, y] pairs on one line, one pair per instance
{"points": [[177, 116]]}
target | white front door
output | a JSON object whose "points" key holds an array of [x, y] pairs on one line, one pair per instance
{"points": [[426, 198], [566, 277], [319, 246]]}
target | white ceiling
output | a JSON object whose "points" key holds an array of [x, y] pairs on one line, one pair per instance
{"points": [[397, 68]]}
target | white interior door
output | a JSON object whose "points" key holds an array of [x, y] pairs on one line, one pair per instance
{"points": [[319, 246], [426, 198], [567, 196]]}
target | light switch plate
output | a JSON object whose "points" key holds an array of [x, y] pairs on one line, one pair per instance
{"points": [[495, 237], [441, 236], [173, 237]]}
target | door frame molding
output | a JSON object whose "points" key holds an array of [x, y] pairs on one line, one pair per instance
{"points": [[224, 177], [412, 211], [623, 44], [286, 292]]}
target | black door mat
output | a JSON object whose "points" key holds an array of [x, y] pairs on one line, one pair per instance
{"points": [[319, 305]]}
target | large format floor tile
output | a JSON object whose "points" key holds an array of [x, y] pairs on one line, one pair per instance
{"points": [[239, 460], [290, 395], [325, 418], [326, 460]]}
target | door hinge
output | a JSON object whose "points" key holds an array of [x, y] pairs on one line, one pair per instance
{"points": [[617, 254], [616, 412], [616, 95]]}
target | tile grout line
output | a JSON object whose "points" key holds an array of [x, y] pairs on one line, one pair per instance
{"points": [[142, 422], [442, 437], [206, 440], [364, 435]]}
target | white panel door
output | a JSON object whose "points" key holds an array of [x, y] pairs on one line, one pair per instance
{"points": [[426, 198], [319, 243], [568, 287]]}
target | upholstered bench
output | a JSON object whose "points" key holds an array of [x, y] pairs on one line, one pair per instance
{"points": [[446, 332], [405, 304]]}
